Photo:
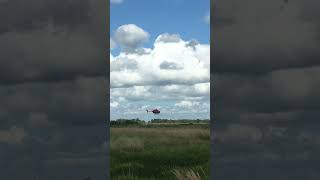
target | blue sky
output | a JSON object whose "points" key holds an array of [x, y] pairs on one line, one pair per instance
{"points": [[186, 17], [170, 74]]}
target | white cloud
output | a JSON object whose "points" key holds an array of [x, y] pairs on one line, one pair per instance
{"points": [[130, 37], [202, 88], [183, 104], [124, 64], [144, 107], [114, 104], [132, 93], [198, 92], [192, 43], [116, 1], [187, 104], [165, 64], [169, 65], [207, 18], [167, 38], [112, 44], [174, 74], [111, 58]]}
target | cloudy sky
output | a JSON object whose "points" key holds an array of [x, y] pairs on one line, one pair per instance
{"points": [[160, 58], [52, 88], [266, 90]]}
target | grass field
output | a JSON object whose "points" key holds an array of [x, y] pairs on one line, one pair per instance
{"points": [[162, 151]]}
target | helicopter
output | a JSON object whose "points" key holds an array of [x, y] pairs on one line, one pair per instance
{"points": [[155, 111]]}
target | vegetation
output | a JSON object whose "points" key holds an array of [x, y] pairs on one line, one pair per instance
{"points": [[137, 122], [127, 122], [179, 121], [153, 150]]}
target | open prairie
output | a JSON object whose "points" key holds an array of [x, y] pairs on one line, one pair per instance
{"points": [[160, 151]]}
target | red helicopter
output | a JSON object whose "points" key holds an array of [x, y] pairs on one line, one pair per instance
{"points": [[155, 111]]}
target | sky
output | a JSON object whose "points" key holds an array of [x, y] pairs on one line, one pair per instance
{"points": [[266, 76], [266, 90], [52, 89], [160, 58]]}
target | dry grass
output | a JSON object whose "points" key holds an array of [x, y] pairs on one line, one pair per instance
{"points": [[158, 132], [186, 175], [127, 144]]}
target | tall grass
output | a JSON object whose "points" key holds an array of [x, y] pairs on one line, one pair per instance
{"points": [[186, 175], [190, 174], [167, 153], [127, 144]]}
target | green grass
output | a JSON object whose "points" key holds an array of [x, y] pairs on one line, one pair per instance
{"points": [[160, 152]]}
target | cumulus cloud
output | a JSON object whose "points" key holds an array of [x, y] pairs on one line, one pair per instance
{"points": [[111, 57], [187, 104], [51, 54], [112, 44], [123, 64], [170, 65], [167, 38], [130, 37], [156, 67], [114, 104], [116, 1], [266, 77], [207, 18], [199, 91], [192, 43], [174, 70]]}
